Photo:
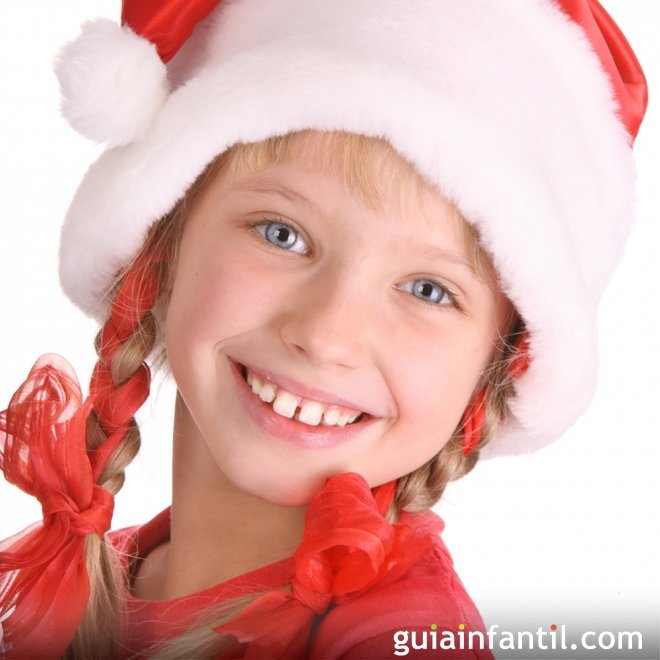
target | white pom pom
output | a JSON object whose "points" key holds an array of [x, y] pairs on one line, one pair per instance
{"points": [[112, 81]]}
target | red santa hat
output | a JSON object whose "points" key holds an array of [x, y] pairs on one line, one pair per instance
{"points": [[521, 112]]}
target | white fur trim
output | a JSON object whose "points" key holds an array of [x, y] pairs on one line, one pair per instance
{"points": [[502, 105], [113, 82]]}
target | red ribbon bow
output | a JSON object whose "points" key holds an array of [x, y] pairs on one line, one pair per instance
{"points": [[44, 585], [348, 547]]}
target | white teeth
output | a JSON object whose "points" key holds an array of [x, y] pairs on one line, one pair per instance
{"points": [[343, 420], [347, 419], [268, 392], [255, 384], [265, 391], [311, 413], [285, 404], [330, 417]]}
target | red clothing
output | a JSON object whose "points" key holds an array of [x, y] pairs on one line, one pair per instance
{"points": [[429, 593]]}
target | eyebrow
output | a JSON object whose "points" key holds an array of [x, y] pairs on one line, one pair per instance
{"points": [[266, 187], [438, 254]]}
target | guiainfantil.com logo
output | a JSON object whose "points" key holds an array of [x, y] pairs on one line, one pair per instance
{"points": [[551, 638]]}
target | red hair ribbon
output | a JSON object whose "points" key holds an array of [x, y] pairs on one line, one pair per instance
{"points": [[473, 422], [165, 23], [115, 405], [475, 414], [521, 359], [44, 585], [347, 548], [616, 56]]}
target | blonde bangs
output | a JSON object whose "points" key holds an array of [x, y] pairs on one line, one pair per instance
{"points": [[364, 163], [369, 167]]}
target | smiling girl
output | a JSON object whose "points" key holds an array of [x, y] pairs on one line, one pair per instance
{"points": [[308, 218], [333, 312]]}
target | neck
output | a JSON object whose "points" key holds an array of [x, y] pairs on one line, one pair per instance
{"points": [[217, 531]]}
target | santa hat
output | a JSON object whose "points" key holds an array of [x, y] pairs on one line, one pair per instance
{"points": [[521, 112]]}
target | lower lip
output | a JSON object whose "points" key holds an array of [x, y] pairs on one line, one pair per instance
{"points": [[290, 430]]}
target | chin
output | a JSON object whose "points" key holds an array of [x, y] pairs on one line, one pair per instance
{"points": [[285, 489]]}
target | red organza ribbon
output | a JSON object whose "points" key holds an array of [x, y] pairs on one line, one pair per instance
{"points": [[115, 405], [475, 418], [44, 585], [348, 547]]}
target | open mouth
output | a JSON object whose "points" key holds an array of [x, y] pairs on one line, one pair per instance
{"points": [[306, 411]]}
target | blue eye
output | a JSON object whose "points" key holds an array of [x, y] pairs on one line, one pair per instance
{"points": [[283, 236], [428, 291]]}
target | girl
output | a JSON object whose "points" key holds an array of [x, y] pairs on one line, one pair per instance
{"points": [[306, 229]]}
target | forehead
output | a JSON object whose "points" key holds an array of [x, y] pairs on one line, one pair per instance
{"points": [[370, 169]]}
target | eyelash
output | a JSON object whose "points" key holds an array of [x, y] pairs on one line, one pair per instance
{"points": [[453, 298], [265, 221]]}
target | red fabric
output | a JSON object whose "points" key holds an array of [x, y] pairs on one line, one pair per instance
{"points": [[474, 416], [616, 56], [115, 405], [44, 585], [429, 592], [347, 548], [146, 623], [43, 577], [522, 358], [473, 422], [166, 23]]}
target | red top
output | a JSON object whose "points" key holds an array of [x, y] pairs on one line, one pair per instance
{"points": [[429, 593]]}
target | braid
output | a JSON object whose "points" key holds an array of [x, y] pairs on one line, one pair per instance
{"points": [[422, 488], [119, 386], [120, 382]]}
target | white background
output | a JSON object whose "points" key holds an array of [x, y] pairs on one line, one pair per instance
{"points": [[571, 529]]}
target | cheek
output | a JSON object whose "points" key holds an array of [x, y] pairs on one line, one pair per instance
{"points": [[436, 378], [222, 299], [433, 395]]}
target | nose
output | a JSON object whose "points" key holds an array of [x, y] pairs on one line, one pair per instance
{"points": [[329, 322]]}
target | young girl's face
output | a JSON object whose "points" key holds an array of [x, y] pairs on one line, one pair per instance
{"points": [[337, 309]]}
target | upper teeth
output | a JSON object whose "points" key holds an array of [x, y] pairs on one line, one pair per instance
{"points": [[309, 412]]}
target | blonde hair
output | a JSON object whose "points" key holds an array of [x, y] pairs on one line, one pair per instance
{"points": [[366, 171]]}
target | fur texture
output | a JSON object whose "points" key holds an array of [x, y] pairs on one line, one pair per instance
{"points": [[502, 105], [112, 81]]}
